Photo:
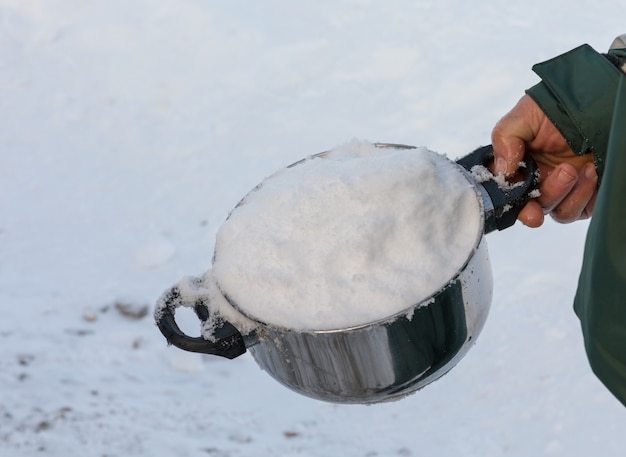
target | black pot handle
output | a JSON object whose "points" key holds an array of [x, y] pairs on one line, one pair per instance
{"points": [[228, 342], [507, 201]]}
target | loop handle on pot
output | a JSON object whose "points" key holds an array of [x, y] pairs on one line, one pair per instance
{"points": [[507, 200], [228, 342]]}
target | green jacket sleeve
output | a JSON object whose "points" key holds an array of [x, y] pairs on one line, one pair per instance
{"points": [[584, 95], [577, 93], [600, 301]]}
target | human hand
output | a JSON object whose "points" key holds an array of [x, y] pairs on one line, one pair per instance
{"points": [[568, 182]]}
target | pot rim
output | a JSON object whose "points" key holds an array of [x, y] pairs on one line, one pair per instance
{"points": [[406, 311]]}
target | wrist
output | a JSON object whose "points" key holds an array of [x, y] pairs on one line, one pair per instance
{"points": [[577, 94]]}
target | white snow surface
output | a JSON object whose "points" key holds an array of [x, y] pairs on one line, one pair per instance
{"points": [[130, 129], [349, 238]]}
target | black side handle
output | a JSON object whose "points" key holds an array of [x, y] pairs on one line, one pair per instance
{"points": [[507, 201], [228, 342]]}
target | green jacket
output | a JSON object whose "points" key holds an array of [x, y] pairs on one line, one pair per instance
{"points": [[584, 95]]}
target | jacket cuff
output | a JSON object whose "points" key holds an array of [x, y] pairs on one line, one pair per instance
{"points": [[577, 94]]}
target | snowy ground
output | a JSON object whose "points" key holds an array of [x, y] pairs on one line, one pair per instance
{"points": [[127, 132]]}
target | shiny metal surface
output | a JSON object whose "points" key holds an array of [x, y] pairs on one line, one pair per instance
{"points": [[385, 360]]}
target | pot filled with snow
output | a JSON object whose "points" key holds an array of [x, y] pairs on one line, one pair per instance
{"points": [[358, 275]]}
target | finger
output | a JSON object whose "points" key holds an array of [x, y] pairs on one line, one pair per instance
{"points": [[508, 146], [586, 214], [579, 203], [508, 153], [531, 215], [556, 186], [510, 135], [591, 174]]}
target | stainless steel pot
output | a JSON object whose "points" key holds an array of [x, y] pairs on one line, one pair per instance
{"points": [[381, 360]]}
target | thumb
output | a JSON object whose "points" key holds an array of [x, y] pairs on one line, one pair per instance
{"points": [[508, 153], [510, 135]]}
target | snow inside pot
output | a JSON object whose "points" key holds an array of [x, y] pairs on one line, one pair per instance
{"points": [[358, 275]]}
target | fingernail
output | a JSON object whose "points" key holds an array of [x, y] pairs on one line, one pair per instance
{"points": [[500, 165], [564, 178], [590, 171]]}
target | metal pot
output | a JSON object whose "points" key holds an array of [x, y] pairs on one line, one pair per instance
{"points": [[382, 360]]}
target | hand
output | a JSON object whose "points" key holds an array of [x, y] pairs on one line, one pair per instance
{"points": [[568, 183]]}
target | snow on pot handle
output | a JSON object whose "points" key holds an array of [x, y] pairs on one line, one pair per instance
{"points": [[502, 204], [506, 199], [227, 341]]}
